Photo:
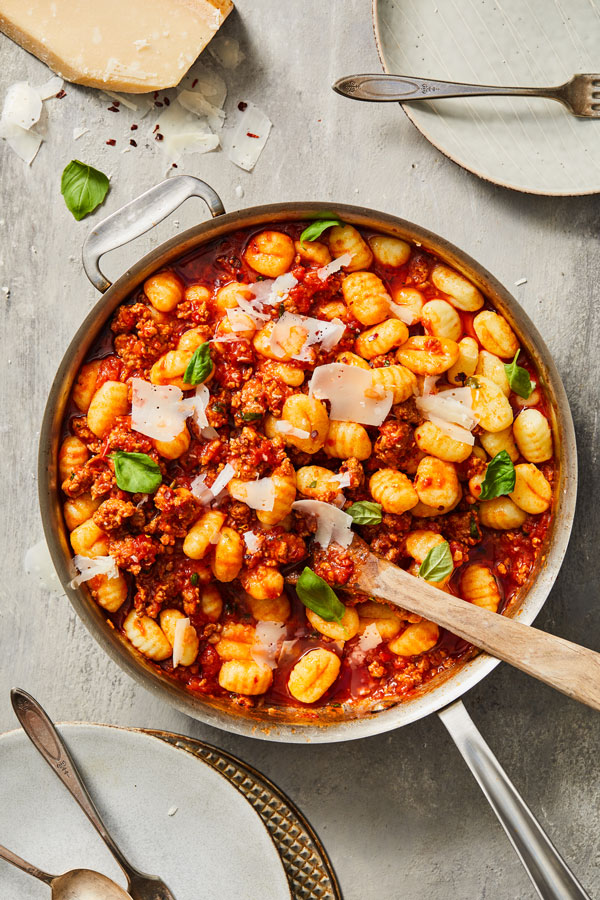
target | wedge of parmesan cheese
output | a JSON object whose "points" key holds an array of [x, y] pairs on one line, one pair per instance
{"points": [[145, 45]]}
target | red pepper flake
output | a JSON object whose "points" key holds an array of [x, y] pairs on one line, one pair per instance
{"points": [[159, 137], [156, 127], [158, 103], [134, 127], [242, 106], [167, 101], [60, 95], [111, 142], [175, 166], [133, 143], [194, 82], [249, 134], [155, 95], [113, 109]]}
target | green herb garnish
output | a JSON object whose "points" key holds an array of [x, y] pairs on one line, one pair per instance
{"points": [[316, 594], [438, 564], [83, 187], [136, 472], [316, 229], [365, 512], [194, 579], [251, 417], [473, 529], [499, 477], [200, 365], [518, 378]]}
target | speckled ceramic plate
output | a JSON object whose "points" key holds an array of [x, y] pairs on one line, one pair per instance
{"points": [[531, 145], [211, 827]]}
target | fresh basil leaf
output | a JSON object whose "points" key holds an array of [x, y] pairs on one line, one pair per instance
{"points": [[251, 417], [499, 477], [316, 594], [316, 229], [518, 378], [200, 365], [365, 512], [83, 187], [136, 472], [438, 564]]}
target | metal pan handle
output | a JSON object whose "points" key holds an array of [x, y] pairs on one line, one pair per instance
{"points": [[550, 875], [139, 216]]}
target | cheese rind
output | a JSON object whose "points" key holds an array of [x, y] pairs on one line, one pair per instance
{"points": [[148, 47]]}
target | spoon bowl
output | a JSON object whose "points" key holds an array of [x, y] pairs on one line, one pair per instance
{"points": [[78, 884], [85, 884]]}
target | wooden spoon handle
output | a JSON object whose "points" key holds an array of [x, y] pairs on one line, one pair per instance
{"points": [[569, 668]]}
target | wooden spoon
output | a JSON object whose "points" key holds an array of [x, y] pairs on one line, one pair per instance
{"points": [[569, 668]]}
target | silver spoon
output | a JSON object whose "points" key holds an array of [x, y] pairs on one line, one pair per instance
{"points": [[78, 884], [45, 738]]}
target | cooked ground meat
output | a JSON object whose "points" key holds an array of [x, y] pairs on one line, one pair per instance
{"points": [[408, 412], [113, 513], [395, 444], [133, 553], [252, 454]]}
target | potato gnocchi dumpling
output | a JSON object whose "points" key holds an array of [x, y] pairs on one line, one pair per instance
{"points": [[291, 394]]}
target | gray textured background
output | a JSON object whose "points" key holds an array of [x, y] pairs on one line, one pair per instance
{"points": [[399, 813]]}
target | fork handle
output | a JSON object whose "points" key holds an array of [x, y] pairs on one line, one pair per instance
{"points": [[549, 873], [387, 88], [46, 739]]}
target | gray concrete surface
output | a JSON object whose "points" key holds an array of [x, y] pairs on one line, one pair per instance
{"points": [[399, 813]]}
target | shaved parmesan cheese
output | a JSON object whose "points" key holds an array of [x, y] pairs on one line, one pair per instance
{"points": [[222, 479], [334, 266], [226, 51], [333, 525], [79, 132], [25, 143], [452, 412], [351, 394], [251, 541], [429, 383], [210, 433], [201, 491], [403, 313], [50, 88], [22, 105], [89, 567], [287, 428], [343, 479], [159, 411], [197, 103], [370, 637], [207, 82], [182, 627], [240, 321], [250, 137], [254, 310], [272, 291], [183, 132], [258, 494], [267, 638], [339, 501], [198, 406], [126, 101], [316, 331]]}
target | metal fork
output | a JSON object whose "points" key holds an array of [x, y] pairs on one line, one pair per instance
{"points": [[45, 738], [580, 95]]}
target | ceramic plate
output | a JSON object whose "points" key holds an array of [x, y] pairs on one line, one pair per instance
{"points": [[531, 145], [171, 813]]}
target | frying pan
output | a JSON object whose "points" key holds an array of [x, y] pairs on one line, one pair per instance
{"points": [[549, 873]]}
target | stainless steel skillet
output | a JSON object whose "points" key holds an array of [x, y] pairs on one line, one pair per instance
{"points": [[551, 877]]}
